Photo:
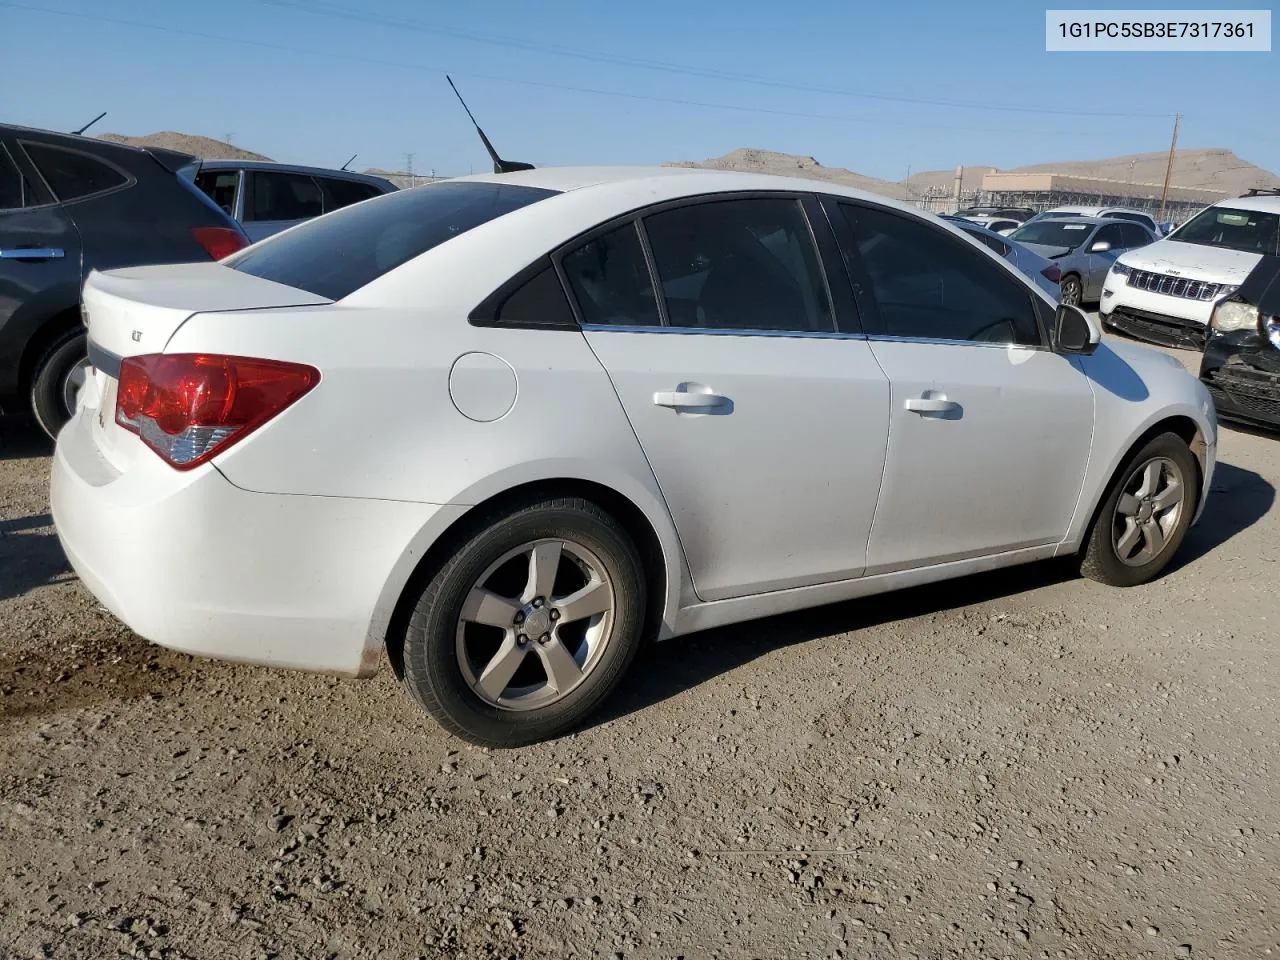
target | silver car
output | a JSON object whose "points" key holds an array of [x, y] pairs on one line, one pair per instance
{"points": [[1045, 273], [1084, 248], [267, 197]]}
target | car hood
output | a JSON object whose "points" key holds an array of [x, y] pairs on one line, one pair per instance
{"points": [[1045, 250], [1193, 260]]}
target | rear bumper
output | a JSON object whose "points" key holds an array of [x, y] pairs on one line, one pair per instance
{"points": [[191, 562]]}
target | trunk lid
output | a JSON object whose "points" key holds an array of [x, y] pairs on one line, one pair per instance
{"points": [[135, 311]]}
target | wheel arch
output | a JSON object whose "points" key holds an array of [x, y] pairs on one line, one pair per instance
{"points": [[653, 539], [47, 333], [1181, 425]]}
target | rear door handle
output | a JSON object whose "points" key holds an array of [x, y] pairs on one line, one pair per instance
{"points": [[31, 253], [930, 405], [687, 399]]}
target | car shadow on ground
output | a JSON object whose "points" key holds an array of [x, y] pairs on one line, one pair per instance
{"points": [[21, 439], [1239, 499], [30, 555]]}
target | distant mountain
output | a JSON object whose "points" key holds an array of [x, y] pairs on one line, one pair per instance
{"points": [[206, 148], [789, 165], [1210, 169]]}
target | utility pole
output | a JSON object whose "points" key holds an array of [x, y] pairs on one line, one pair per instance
{"points": [[408, 166], [1168, 170], [226, 138]]}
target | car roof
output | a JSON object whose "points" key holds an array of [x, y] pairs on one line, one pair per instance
{"points": [[675, 182], [232, 164], [1263, 203], [1068, 218], [80, 141]]}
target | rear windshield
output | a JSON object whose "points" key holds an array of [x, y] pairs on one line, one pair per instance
{"points": [[337, 254]]}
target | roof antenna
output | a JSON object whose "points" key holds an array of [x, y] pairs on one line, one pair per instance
{"points": [[89, 124], [348, 163], [499, 165]]}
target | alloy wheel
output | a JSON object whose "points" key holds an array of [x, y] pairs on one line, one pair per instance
{"points": [[1150, 506], [535, 624]]}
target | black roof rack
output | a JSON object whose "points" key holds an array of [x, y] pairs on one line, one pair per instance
{"points": [[1263, 192]]}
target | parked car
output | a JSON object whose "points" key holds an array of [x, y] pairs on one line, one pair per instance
{"points": [[1241, 362], [1166, 292], [1045, 273], [1083, 248], [1000, 225], [509, 427], [1112, 213], [995, 210], [70, 205], [268, 197]]}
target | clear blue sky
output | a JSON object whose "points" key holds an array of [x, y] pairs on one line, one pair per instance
{"points": [[333, 77]]}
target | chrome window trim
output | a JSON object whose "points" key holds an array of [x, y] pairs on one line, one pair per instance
{"points": [[807, 335]]}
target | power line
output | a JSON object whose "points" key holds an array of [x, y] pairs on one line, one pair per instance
{"points": [[360, 16], [329, 54]]}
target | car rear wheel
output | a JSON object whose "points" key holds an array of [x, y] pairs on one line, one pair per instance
{"points": [[1071, 290], [529, 625], [1145, 515], [58, 376]]}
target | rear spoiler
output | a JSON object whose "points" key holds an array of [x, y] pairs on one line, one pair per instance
{"points": [[171, 160]]}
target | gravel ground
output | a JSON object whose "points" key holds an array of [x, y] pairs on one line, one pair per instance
{"points": [[1022, 764]]}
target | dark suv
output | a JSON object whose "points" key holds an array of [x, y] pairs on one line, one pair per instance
{"points": [[69, 205]]}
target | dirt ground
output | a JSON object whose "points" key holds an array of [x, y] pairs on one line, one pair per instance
{"points": [[1022, 764]]}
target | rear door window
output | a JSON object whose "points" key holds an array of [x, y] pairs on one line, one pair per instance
{"points": [[220, 187], [1134, 235], [283, 196], [71, 174], [747, 264], [343, 193], [336, 255], [17, 190]]}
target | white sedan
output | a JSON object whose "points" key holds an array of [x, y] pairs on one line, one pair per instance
{"points": [[508, 428]]}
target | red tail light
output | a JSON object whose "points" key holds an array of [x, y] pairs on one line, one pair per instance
{"points": [[187, 407], [219, 242], [1052, 272]]}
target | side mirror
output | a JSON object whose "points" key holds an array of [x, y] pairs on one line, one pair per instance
{"points": [[1102, 246], [1074, 331]]}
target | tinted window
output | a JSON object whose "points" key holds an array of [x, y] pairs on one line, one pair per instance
{"points": [[1134, 235], [337, 255], [929, 285], [220, 187], [71, 174], [17, 190], [538, 302], [989, 241], [739, 265], [283, 196], [1111, 234], [610, 280], [343, 193]]}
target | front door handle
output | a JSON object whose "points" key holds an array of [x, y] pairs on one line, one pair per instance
{"points": [[31, 253], [931, 405], [682, 400]]}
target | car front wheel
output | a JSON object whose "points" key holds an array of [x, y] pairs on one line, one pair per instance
{"points": [[529, 624], [1145, 515]]}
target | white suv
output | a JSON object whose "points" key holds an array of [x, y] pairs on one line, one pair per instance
{"points": [[1165, 292]]}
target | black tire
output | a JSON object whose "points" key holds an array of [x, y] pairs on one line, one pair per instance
{"points": [[432, 670], [49, 378], [1100, 558], [1072, 290]]}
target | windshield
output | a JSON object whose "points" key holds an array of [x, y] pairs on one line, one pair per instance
{"points": [[1053, 233], [337, 254], [1250, 231]]}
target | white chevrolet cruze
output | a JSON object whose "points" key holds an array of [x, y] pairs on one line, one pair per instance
{"points": [[507, 428]]}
